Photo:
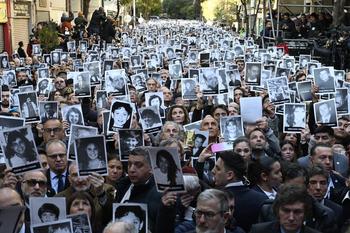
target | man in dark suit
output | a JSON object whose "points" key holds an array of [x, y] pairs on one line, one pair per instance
{"points": [[57, 174], [291, 205], [198, 142], [325, 134], [81, 86], [317, 187], [229, 171], [325, 113]]}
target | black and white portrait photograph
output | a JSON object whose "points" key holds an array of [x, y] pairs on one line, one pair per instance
{"points": [[47, 59], [341, 101], [120, 116], [91, 155], [94, 68], [45, 210], [25, 89], [129, 139], [304, 90], [48, 110], [9, 77], [339, 74], [7, 122], [36, 49], [175, 71], [282, 72], [83, 46], [55, 58], [280, 52], [14, 102], [188, 86], [80, 222], [221, 99], [204, 59], [231, 127], [289, 63], [60, 226], [107, 65], [78, 131], [222, 81], [28, 105], [116, 81], [310, 68], [324, 79], [151, 65], [295, 117], [135, 213], [156, 99], [71, 46], [82, 85], [293, 87], [326, 113], [253, 73], [229, 56], [170, 54], [139, 82], [209, 164], [303, 60], [167, 170], [209, 81], [43, 88], [193, 126], [193, 57], [233, 77], [200, 141], [101, 99], [136, 61], [43, 73], [265, 75], [194, 73], [20, 151], [278, 90], [73, 115], [150, 119], [220, 64]]}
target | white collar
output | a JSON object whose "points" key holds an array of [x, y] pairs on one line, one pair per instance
{"points": [[346, 197], [235, 184]]}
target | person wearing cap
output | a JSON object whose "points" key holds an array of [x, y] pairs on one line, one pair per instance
{"points": [[298, 31], [98, 17], [80, 23]]}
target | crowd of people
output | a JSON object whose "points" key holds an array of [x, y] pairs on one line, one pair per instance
{"points": [[279, 167]]}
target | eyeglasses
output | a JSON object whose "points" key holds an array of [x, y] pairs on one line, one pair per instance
{"points": [[57, 155], [32, 183], [54, 130], [207, 215], [57, 82]]}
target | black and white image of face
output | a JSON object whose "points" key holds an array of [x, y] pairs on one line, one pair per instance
{"points": [[80, 221], [78, 131], [231, 127], [278, 90], [82, 84], [341, 100], [325, 113], [324, 80], [253, 73], [175, 71], [44, 210], [48, 110], [10, 78], [209, 82], [156, 99], [4, 62], [29, 106], [120, 116], [132, 213], [55, 58], [43, 87], [295, 117], [129, 140], [94, 68], [116, 82], [73, 114], [150, 117]]}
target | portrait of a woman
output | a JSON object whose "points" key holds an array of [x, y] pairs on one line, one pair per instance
{"points": [[232, 129], [90, 156], [74, 116], [296, 116], [166, 170]]}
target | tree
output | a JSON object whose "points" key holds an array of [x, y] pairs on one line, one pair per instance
{"points": [[154, 7], [48, 38], [223, 10], [182, 9]]}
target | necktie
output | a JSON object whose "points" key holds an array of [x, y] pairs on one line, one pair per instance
{"points": [[60, 183]]}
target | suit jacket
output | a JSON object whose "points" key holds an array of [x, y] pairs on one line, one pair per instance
{"points": [[340, 163], [248, 205], [48, 176], [338, 181], [274, 227], [337, 209]]}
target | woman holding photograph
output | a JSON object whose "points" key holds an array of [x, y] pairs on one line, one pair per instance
{"points": [[179, 114], [91, 155], [19, 150], [74, 116], [166, 171], [296, 117], [82, 202]]}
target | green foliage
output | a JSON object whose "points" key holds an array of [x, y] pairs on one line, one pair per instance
{"points": [[48, 38], [182, 9], [154, 7], [124, 2]]}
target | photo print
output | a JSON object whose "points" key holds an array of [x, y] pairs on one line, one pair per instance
{"points": [[120, 116], [175, 71], [48, 110], [156, 99], [43, 88], [231, 127], [209, 81], [91, 155], [303, 60], [167, 170], [107, 65], [151, 66], [116, 82], [36, 49], [193, 126], [82, 84], [43, 73], [64, 57], [204, 59], [193, 57], [341, 101], [139, 82], [209, 164], [188, 86], [28, 105], [229, 56], [81, 222], [101, 100], [8, 123], [221, 99], [55, 58], [150, 119], [94, 68], [293, 87], [4, 62], [200, 139], [310, 68], [73, 115], [14, 101], [136, 61], [128, 140], [78, 131], [251, 110], [223, 87], [253, 73], [47, 210], [83, 46], [25, 89], [324, 79], [71, 46], [339, 74], [295, 117], [10, 217], [9, 78], [194, 73], [59, 226], [304, 90], [105, 119], [233, 78], [282, 72], [135, 213], [278, 90], [326, 113], [220, 64]]}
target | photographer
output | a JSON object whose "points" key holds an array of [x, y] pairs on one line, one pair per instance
{"points": [[345, 39]]}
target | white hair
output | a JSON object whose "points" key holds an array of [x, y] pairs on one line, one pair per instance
{"points": [[191, 182]]}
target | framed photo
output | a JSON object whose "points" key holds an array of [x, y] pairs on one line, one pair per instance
{"points": [[78, 131], [128, 140], [28, 105], [135, 213], [73, 114], [82, 87], [94, 68], [48, 110], [209, 81], [326, 113], [10, 78], [295, 117], [120, 116], [278, 90], [47, 210], [231, 127], [55, 58], [43, 88], [156, 99]]}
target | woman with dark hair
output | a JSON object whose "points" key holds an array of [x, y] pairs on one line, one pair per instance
{"points": [[132, 214], [91, 157], [179, 114], [296, 117], [265, 175], [295, 138], [82, 202], [150, 119], [115, 169], [74, 116], [19, 150], [155, 100], [243, 148], [166, 170], [287, 151], [232, 129], [120, 116]]}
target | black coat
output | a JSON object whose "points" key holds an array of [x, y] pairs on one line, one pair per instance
{"points": [[108, 32], [97, 19], [274, 227], [21, 52], [337, 209]]}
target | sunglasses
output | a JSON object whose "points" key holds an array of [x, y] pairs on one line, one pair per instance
{"points": [[32, 183]]}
